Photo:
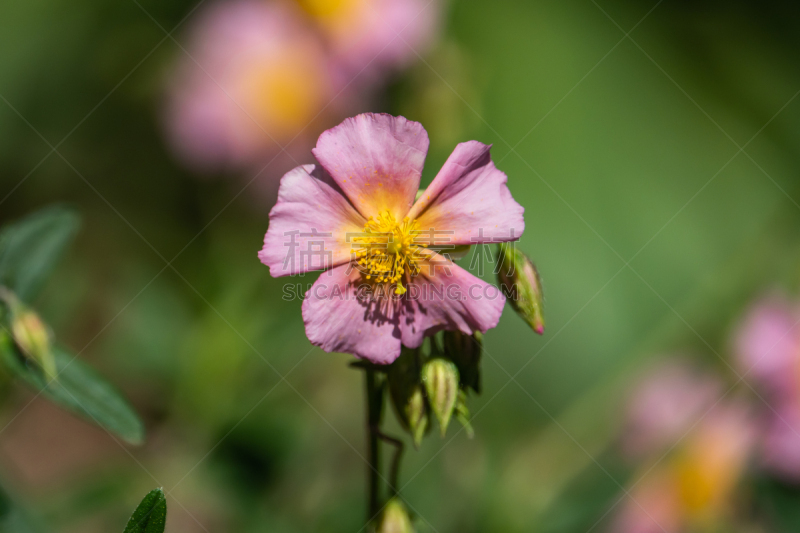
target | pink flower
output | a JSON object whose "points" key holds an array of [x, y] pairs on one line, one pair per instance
{"points": [[781, 440], [254, 77], [376, 35], [768, 356], [695, 485], [355, 215], [664, 405], [767, 346], [653, 506]]}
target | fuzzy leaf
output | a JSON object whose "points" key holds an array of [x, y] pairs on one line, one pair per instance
{"points": [[31, 247], [151, 515], [79, 389]]}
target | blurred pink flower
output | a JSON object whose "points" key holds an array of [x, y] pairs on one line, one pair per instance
{"points": [[356, 216], [255, 76], [653, 506], [374, 36], [767, 350], [664, 404], [694, 486], [781, 441], [767, 346]]}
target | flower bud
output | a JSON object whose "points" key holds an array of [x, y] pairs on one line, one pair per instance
{"points": [[395, 518], [462, 413], [520, 283], [30, 335], [440, 377], [465, 352], [407, 395]]}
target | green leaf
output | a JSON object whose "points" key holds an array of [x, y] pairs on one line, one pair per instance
{"points": [[31, 247], [79, 389], [151, 515]]}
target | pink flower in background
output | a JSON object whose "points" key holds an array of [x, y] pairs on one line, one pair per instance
{"points": [[355, 215], [694, 486], [768, 356], [374, 35], [263, 75], [256, 77], [767, 346], [664, 404], [653, 506]]}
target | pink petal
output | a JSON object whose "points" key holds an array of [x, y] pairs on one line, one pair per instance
{"points": [[385, 34], [309, 224], [377, 160], [664, 404], [781, 447], [343, 314], [768, 346], [339, 319], [469, 197], [444, 296], [653, 506]]}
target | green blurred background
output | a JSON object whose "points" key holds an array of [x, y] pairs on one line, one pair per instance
{"points": [[659, 173]]}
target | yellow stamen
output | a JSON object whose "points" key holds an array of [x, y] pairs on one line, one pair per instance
{"points": [[389, 251]]}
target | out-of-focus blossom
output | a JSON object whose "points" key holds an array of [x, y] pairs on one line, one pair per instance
{"points": [[374, 36], [781, 440], [694, 487], [664, 404], [653, 506], [768, 346], [260, 78], [355, 215], [768, 356], [254, 77]]}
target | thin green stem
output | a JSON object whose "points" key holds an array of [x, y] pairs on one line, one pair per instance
{"points": [[374, 407], [394, 474]]}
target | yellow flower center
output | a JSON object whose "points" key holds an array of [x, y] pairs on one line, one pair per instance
{"points": [[388, 249], [340, 19], [285, 95], [329, 9]]}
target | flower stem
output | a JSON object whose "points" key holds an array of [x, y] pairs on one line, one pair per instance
{"points": [[394, 474], [374, 407]]}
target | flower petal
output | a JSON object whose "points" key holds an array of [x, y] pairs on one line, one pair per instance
{"points": [[469, 197], [781, 448], [309, 224], [767, 344], [339, 319], [377, 160], [444, 296]]}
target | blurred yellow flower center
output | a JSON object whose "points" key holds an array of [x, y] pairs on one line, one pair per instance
{"points": [[330, 9], [285, 96], [705, 479], [388, 249]]}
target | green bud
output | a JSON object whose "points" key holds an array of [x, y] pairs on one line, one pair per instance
{"points": [[395, 518], [462, 413], [30, 334], [465, 352], [406, 392], [520, 283], [440, 377], [416, 412]]}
